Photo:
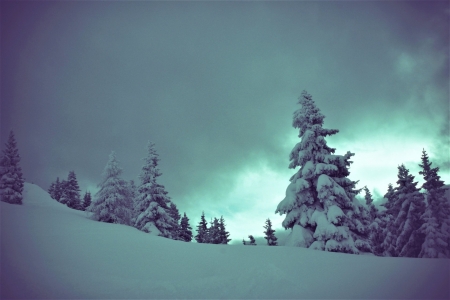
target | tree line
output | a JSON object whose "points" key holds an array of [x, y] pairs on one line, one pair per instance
{"points": [[321, 208]]}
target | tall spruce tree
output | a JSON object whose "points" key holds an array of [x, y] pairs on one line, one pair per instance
{"points": [[223, 233], [111, 203], [71, 195], [402, 236], [270, 233], [436, 218], [185, 229], [11, 178], [320, 200], [152, 201], [202, 230]]}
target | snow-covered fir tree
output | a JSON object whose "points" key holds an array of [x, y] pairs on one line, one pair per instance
{"points": [[202, 230], [11, 178], [87, 200], [111, 203], [175, 214], [185, 229], [270, 233], [436, 218], [71, 194], [320, 200], [402, 236], [152, 201], [223, 233]]}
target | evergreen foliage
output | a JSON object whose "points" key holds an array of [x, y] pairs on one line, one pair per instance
{"points": [[367, 196], [87, 200], [111, 203], [11, 178], [223, 233], [202, 230], [270, 234], [436, 218], [71, 193], [174, 213], [406, 205], [214, 232], [185, 229], [152, 201], [320, 200]]}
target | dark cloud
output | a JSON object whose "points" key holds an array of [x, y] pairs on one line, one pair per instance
{"points": [[213, 84]]}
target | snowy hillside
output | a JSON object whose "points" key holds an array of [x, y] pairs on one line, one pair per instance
{"points": [[51, 251]]}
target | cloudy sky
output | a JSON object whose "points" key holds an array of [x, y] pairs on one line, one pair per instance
{"points": [[214, 85]]}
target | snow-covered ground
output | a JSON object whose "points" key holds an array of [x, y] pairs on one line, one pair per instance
{"points": [[51, 251]]}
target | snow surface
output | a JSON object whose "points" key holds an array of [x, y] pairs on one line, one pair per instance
{"points": [[51, 251]]}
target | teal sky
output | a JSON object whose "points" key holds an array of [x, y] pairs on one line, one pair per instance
{"points": [[214, 85]]}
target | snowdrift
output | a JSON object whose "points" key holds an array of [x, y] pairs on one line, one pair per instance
{"points": [[50, 251]]}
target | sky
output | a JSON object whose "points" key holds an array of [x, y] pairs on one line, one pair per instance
{"points": [[214, 86]]}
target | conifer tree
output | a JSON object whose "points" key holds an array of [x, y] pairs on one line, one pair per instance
{"points": [[214, 236], [71, 194], [270, 234], [320, 200], [111, 203], [223, 234], [367, 196], [59, 189], [202, 230], [185, 229], [174, 213], [87, 200], [152, 201], [51, 190], [436, 218], [11, 179], [407, 205]]}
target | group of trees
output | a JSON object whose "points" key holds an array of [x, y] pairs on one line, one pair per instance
{"points": [[269, 235], [323, 212], [214, 234], [68, 192], [321, 206], [11, 178], [415, 223], [145, 206]]}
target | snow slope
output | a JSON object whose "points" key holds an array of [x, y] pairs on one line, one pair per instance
{"points": [[51, 251]]}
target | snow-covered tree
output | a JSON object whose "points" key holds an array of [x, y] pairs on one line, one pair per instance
{"points": [[436, 218], [11, 179], [270, 233], [152, 201], [185, 229], [223, 233], [402, 236], [111, 203], [87, 200], [320, 200], [71, 194], [175, 214], [202, 230]]}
